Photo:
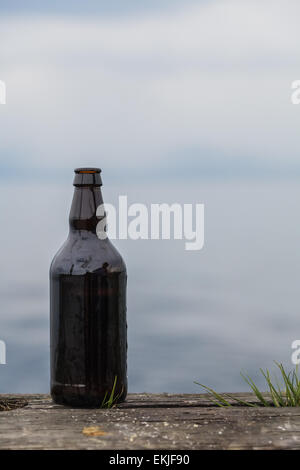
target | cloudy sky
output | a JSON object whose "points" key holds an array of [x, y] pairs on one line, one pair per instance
{"points": [[149, 89]]}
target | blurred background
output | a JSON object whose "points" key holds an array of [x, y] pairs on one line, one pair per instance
{"points": [[176, 102]]}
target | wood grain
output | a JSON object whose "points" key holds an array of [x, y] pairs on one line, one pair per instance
{"points": [[149, 421]]}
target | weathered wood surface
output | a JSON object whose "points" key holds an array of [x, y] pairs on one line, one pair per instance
{"points": [[148, 421]]}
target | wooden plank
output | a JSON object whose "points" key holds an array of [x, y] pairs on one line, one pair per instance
{"points": [[149, 421]]}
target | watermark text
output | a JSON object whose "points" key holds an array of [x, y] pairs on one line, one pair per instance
{"points": [[295, 96], [2, 352], [2, 92], [163, 221]]}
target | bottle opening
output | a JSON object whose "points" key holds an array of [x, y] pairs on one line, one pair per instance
{"points": [[87, 177], [87, 170]]}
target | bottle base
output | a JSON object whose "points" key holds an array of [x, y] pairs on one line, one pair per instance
{"points": [[82, 398]]}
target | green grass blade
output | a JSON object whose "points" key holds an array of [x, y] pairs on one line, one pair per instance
{"points": [[241, 402], [112, 398], [220, 400], [290, 392], [259, 395], [277, 398], [104, 401]]}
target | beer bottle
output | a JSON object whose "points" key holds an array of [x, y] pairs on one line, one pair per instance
{"points": [[88, 329]]}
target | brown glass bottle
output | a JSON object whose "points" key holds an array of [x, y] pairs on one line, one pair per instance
{"points": [[88, 329]]}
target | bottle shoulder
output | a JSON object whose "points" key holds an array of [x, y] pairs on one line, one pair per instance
{"points": [[86, 253]]}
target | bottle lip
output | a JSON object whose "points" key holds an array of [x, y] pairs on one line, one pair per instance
{"points": [[87, 177], [87, 170]]}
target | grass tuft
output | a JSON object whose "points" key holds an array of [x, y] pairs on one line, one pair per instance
{"points": [[282, 392], [112, 398]]}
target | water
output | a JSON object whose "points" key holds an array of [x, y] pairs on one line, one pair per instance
{"points": [[192, 315]]}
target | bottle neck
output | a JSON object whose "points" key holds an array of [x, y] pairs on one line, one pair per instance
{"points": [[86, 199]]}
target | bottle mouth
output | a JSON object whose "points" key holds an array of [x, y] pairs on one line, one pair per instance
{"points": [[87, 177], [87, 170]]}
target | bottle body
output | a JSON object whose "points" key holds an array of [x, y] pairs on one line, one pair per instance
{"points": [[88, 327]]}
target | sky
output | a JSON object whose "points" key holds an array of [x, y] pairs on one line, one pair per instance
{"points": [[149, 89], [101, 7]]}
